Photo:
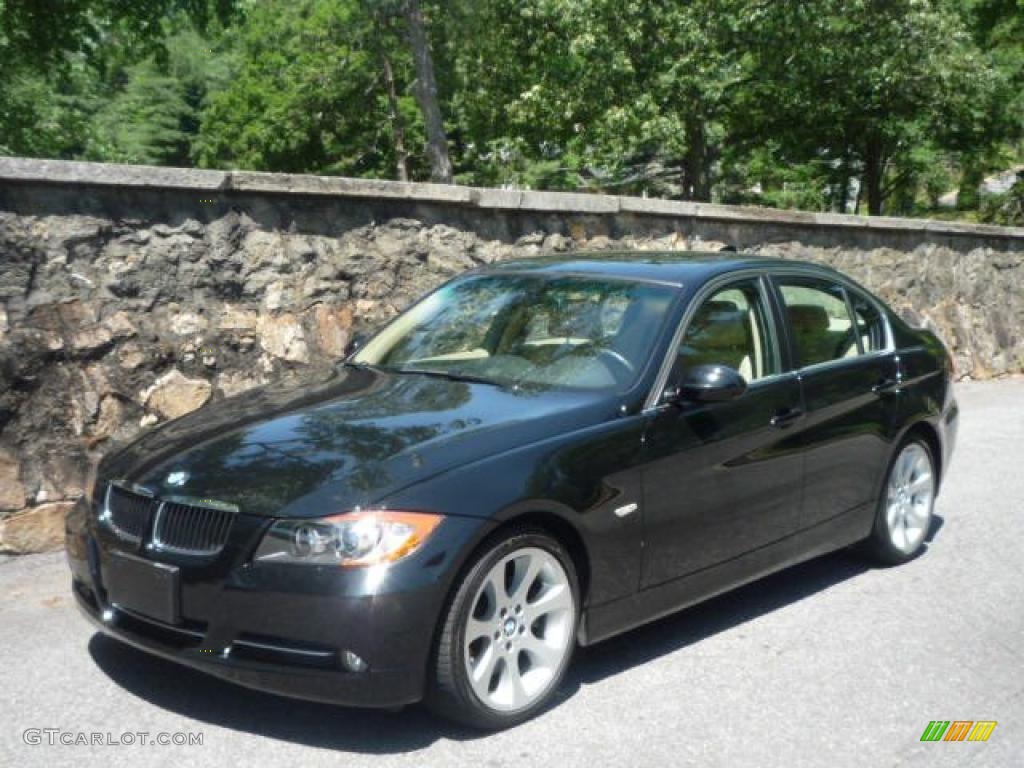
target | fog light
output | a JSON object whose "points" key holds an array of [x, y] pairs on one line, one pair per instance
{"points": [[352, 662], [108, 615]]}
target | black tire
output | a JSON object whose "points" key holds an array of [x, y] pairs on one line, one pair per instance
{"points": [[879, 544], [449, 692]]}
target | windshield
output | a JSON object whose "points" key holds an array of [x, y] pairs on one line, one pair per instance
{"points": [[548, 331]]}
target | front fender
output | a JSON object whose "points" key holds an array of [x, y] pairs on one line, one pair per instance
{"points": [[581, 477]]}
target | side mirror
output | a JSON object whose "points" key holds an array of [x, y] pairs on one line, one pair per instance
{"points": [[707, 384], [356, 343]]}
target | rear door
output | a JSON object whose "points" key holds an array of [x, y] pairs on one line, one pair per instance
{"points": [[722, 479], [840, 344]]}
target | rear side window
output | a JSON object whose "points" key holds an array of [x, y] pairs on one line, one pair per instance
{"points": [[870, 324], [819, 320]]}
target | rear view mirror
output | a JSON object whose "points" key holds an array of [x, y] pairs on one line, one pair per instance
{"points": [[707, 384]]}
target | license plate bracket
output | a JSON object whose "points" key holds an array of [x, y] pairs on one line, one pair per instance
{"points": [[145, 587]]}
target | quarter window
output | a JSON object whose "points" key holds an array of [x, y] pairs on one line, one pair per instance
{"points": [[731, 328], [870, 325], [819, 320]]}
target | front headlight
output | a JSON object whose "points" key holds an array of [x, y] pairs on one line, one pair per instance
{"points": [[351, 540]]}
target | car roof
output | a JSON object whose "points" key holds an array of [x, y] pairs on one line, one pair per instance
{"points": [[674, 267]]}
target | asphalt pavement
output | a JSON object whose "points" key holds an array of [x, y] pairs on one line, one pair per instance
{"points": [[831, 663]]}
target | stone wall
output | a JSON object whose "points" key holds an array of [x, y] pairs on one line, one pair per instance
{"points": [[133, 295]]}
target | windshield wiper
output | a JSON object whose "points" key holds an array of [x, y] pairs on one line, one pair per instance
{"points": [[360, 366], [450, 375]]}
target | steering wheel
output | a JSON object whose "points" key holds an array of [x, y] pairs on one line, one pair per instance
{"points": [[619, 362]]}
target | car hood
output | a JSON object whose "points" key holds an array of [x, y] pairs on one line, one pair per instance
{"points": [[332, 440]]}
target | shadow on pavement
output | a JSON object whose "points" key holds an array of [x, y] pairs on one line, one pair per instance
{"points": [[192, 694]]}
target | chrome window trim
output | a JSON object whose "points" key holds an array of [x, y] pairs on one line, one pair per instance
{"points": [[890, 343], [764, 274], [847, 285]]}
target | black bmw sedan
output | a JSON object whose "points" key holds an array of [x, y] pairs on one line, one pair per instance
{"points": [[539, 454]]}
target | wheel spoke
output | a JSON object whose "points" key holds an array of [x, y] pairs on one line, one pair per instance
{"points": [[482, 670], [543, 655], [477, 628], [493, 589], [899, 536], [923, 482], [520, 697], [555, 597], [892, 514], [904, 468], [917, 515]]}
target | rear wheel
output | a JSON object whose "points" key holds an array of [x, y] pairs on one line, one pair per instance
{"points": [[508, 634], [905, 507]]}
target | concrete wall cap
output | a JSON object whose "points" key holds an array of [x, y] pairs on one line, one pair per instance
{"points": [[74, 173]]}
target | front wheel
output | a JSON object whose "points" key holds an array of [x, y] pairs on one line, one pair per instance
{"points": [[508, 634], [904, 512]]}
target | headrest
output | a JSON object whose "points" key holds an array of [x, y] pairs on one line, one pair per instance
{"points": [[808, 318], [720, 325]]}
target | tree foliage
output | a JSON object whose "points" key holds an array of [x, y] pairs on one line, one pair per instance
{"points": [[883, 105]]}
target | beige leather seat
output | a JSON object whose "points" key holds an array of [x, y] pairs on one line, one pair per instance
{"points": [[810, 329], [720, 334]]}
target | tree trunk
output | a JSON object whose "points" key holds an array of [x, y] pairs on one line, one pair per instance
{"points": [[425, 90], [967, 197], [841, 193], [696, 164], [395, 117], [873, 168]]}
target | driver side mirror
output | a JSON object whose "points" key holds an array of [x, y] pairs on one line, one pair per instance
{"points": [[357, 342], [704, 384]]}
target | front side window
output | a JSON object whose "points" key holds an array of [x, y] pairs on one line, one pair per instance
{"points": [[542, 330], [731, 328], [819, 320]]}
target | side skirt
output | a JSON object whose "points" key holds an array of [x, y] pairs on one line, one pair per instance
{"points": [[603, 621]]}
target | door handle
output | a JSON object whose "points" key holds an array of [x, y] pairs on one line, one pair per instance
{"points": [[886, 387], [786, 417]]}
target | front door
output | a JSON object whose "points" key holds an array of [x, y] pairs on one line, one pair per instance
{"points": [[722, 479]]}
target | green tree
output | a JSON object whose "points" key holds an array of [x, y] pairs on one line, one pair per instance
{"points": [[309, 93], [44, 116], [40, 34], [1007, 208], [855, 85], [152, 115], [998, 28], [611, 95], [63, 60]]}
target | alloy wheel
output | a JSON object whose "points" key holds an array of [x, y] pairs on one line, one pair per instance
{"points": [[519, 629], [909, 498]]}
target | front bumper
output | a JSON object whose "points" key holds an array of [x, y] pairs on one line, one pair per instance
{"points": [[285, 629]]}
